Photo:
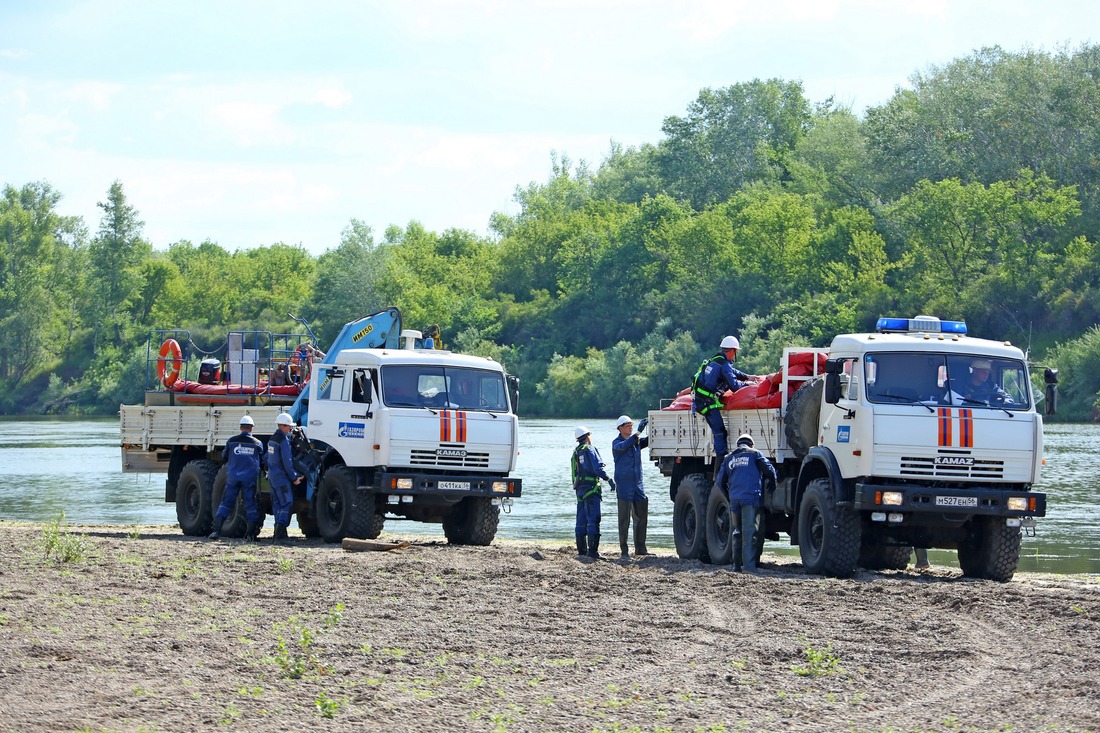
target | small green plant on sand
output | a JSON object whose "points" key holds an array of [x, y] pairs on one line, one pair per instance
{"points": [[295, 656], [325, 706], [819, 662], [58, 546]]}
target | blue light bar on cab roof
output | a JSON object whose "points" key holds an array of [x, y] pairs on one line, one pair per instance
{"points": [[920, 324]]}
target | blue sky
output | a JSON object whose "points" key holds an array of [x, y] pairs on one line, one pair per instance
{"points": [[250, 123]]}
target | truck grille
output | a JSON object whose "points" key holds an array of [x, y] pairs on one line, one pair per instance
{"points": [[927, 466], [429, 458]]}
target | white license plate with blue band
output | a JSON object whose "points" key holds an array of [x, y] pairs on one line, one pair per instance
{"points": [[457, 485], [964, 501]]}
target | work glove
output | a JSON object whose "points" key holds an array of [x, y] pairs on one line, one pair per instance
{"points": [[642, 423], [611, 482]]}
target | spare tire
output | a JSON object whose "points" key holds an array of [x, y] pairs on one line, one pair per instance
{"points": [[803, 414]]}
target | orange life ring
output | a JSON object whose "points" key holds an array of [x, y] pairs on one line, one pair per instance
{"points": [[168, 370]]}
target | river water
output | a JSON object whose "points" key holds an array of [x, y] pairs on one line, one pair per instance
{"points": [[54, 465]]}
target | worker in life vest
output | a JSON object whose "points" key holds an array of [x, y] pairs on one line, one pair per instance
{"points": [[632, 501], [281, 474], [587, 468], [715, 377], [245, 460], [741, 478]]}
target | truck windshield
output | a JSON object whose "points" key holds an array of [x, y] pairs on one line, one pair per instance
{"points": [[445, 388], [947, 379]]}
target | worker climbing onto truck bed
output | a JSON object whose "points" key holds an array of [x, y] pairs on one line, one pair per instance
{"points": [[281, 474], [245, 461], [716, 375], [587, 468], [741, 477]]}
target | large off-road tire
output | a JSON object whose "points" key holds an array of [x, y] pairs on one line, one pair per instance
{"points": [[991, 550], [473, 521], [719, 546], [828, 535], [236, 523], [194, 504], [884, 557], [343, 510], [689, 516], [308, 525], [803, 417]]}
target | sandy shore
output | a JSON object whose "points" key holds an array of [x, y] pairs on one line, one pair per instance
{"points": [[146, 630]]}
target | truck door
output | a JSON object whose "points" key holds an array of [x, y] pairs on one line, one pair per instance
{"points": [[842, 429], [341, 411]]}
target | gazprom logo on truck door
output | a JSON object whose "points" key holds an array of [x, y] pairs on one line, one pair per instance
{"points": [[352, 430], [843, 433]]}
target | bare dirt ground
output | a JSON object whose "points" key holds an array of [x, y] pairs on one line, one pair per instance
{"points": [[152, 631]]}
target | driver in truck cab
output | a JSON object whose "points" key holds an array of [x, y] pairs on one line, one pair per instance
{"points": [[980, 388]]}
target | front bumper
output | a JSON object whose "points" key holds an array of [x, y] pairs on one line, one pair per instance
{"points": [[450, 486], [955, 503]]}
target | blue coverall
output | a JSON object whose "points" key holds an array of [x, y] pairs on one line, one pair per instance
{"points": [[246, 458], [741, 477], [587, 472], [632, 502], [280, 474], [717, 376]]}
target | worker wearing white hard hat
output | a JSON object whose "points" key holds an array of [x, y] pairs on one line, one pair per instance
{"points": [[281, 475], [741, 477], [587, 469], [632, 501], [244, 461], [715, 377]]}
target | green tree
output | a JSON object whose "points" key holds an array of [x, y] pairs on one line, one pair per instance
{"points": [[116, 255]]}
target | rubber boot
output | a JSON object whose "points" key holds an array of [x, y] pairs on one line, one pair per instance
{"points": [[252, 531], [217, 533], [594, 546], [624, 508], [641, 522], [582, 545], [280, 535]]}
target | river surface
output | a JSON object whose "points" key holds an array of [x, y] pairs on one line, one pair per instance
{"points": [[54, 465]]}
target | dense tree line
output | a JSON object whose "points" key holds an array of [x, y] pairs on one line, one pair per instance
{"points": [[973, 194]]}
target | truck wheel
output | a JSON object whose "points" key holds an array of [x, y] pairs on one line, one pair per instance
{"points": [[884, 557], [194, 507], [828, 535], [308, 525], [719, 546], [689, 516], [991, 550], [803, 417], [473, 521], [235, 524], [343, 510]]}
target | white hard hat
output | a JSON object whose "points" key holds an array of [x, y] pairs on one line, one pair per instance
{"points": [[284, 418], [623, 420], [981, 364], [730, 342], [581, 431], [246, 420], [746, 439]]}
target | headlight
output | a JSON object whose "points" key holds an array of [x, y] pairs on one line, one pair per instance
{"points": [[1017, 504], [500, 487], [892, 498], [404, 483]]}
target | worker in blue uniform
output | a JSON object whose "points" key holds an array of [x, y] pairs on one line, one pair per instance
{"points": [[626, 449], [588, 469], [281, 474], [741, 479], [245, 459], [716, 376]]}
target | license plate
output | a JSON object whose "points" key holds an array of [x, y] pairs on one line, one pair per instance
{"points": [[956, 501], [458, 485]]}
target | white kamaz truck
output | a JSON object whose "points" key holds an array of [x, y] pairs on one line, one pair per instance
{"points": [[417, 433], [917, 435]]}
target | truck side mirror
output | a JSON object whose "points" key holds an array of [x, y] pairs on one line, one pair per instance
{"points": [[1050, 376], [832, 387], [513, 392], [834, 366]]}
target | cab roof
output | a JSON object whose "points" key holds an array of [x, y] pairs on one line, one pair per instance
{"points": [[413, 357], [858, 343]]}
